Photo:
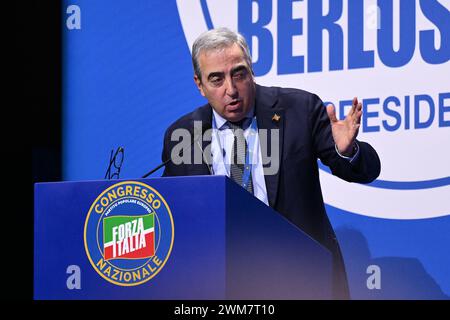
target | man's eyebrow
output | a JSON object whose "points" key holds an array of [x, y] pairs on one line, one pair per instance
{"points": [[233, 71], [238, 68]]}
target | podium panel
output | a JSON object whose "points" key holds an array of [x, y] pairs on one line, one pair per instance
{"points": [[170, 238]]}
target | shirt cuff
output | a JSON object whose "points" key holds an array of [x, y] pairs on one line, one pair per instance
{"points": [[350, 159]]}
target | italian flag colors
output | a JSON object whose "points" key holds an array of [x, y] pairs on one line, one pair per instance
{"points": [[129, 237]]}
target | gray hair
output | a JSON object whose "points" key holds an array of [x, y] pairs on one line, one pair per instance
{"points": [[217, 39]]}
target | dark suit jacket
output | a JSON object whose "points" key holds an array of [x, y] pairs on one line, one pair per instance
{"points": [[305, 136]]}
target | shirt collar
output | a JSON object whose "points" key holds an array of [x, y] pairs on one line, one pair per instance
{"points": [[221, 122]]}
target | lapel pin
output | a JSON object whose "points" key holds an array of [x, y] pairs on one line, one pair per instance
{"points": [[276, 118]]}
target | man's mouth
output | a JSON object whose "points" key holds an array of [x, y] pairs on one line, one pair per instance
{"points": [[235, 103]]}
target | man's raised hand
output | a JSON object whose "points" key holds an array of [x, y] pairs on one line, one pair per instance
{"points": [[345, 131]]}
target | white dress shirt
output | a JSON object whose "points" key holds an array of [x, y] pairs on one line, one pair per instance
{"points": [[221, 147]]}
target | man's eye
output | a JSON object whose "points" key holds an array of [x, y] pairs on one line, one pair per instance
{"points": [[215, 81], [239, 75]]}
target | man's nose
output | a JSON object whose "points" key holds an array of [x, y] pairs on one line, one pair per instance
{"points": [[230, 87]]}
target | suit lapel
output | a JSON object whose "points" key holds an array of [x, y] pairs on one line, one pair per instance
{"points": [[204, 116], [269, 116]]}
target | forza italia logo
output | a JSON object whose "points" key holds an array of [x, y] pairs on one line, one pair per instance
{"points": [[129, 237], [128, 233]]}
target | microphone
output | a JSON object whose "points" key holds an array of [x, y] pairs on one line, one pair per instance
{"points": [[158, 167], [198, 133]]}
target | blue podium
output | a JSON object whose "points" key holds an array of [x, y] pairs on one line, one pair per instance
{"points": [[198, 237]]}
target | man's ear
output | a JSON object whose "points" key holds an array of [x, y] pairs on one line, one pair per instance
{"points": [[198, 82]]}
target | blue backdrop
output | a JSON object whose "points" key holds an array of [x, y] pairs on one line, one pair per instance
{"points": [[128, 75]]}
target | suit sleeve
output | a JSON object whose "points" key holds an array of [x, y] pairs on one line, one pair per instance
{"points": [[365, 169], [166, 154]]}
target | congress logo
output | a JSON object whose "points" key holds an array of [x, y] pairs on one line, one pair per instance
{"points": [[128, 233], [406, 115]]}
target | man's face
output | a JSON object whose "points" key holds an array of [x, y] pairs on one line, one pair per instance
{"points": [[227, 82]]}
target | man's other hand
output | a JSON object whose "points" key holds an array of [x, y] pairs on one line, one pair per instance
{"points": [[345, 131]]}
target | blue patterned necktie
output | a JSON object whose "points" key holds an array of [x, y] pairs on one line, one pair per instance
{"points": [[238, 155]]}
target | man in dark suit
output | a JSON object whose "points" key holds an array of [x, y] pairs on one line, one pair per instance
{"points": [[299, 130]]}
